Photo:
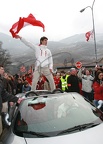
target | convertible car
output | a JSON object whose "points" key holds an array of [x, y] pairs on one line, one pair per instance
{"points": [[50, 118]]}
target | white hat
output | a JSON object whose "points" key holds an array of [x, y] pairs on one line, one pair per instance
{"points": [[72, 69]]}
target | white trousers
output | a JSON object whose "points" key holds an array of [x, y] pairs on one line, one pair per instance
{"points": [[46, 72]]}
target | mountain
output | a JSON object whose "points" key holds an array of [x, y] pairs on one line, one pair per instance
{"points": [[65, 51], [82, 50], [14, 46], [81, 38]]}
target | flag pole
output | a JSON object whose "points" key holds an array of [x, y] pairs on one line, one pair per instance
{"points": [[95, 46]]}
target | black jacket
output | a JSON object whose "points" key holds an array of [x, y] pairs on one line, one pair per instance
{"points": [[4, 95], [73, 84]]}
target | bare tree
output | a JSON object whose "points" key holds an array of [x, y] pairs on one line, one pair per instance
{"points": [[4, 56]]}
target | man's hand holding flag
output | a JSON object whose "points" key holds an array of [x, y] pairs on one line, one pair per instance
{"points": [[30, 20]]}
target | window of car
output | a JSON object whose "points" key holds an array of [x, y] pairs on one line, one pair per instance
{"points": [[50, 115]]}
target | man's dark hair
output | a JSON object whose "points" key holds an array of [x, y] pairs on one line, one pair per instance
{"points": [[1, 65], [43, 38], [63, 72]]}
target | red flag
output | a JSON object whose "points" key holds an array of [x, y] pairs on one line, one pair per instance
{"points": [[30, 70], [22, 69], [30, 20], [88, 35]]}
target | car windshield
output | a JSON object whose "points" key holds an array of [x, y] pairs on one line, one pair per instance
{"points": [[52, 114]]}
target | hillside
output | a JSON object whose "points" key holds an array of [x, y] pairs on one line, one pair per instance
{"points": [[71, 49], [15, 47]]}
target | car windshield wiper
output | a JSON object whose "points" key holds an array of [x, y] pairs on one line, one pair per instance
{"points": [[79, 128], [33, 133]]}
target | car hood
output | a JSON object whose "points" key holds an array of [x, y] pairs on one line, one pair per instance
{"points": [[89, 136]]}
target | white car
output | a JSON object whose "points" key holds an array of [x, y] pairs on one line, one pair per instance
{"points": [[58, 118]]}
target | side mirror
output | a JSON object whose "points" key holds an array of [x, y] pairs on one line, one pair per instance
{"points": [[5, 118], [100, 102]]}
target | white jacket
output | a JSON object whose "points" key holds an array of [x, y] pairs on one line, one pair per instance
{"points": [[42, 53], [87, 82]]}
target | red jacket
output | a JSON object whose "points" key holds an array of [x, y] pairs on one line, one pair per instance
{"points": [[98, 91], [56, 81], [40, 85], [29, 79]]}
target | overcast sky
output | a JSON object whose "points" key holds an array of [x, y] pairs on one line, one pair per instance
{"points": [[60, 17]]}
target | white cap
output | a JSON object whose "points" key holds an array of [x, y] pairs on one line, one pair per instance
{"points": [[72, 69]]}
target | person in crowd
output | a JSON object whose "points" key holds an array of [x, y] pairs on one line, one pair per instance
{"points": [[7, 83], [97, 68], [63, 85], [91, 72], [73, 81], [68, 72], [5, 96], [19, 86], [23, 78], [15, 77], [44, 61], [26, 87], [87, 82], [40, 83], [9, 88], [12, 83], [29, 78], [57, 79], [98, 87]]}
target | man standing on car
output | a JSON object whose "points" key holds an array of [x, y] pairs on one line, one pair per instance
{"points": [[44, 61], [4, 95]]}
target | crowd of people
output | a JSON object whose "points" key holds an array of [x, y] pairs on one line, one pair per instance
{"points": [[85, 81]]}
